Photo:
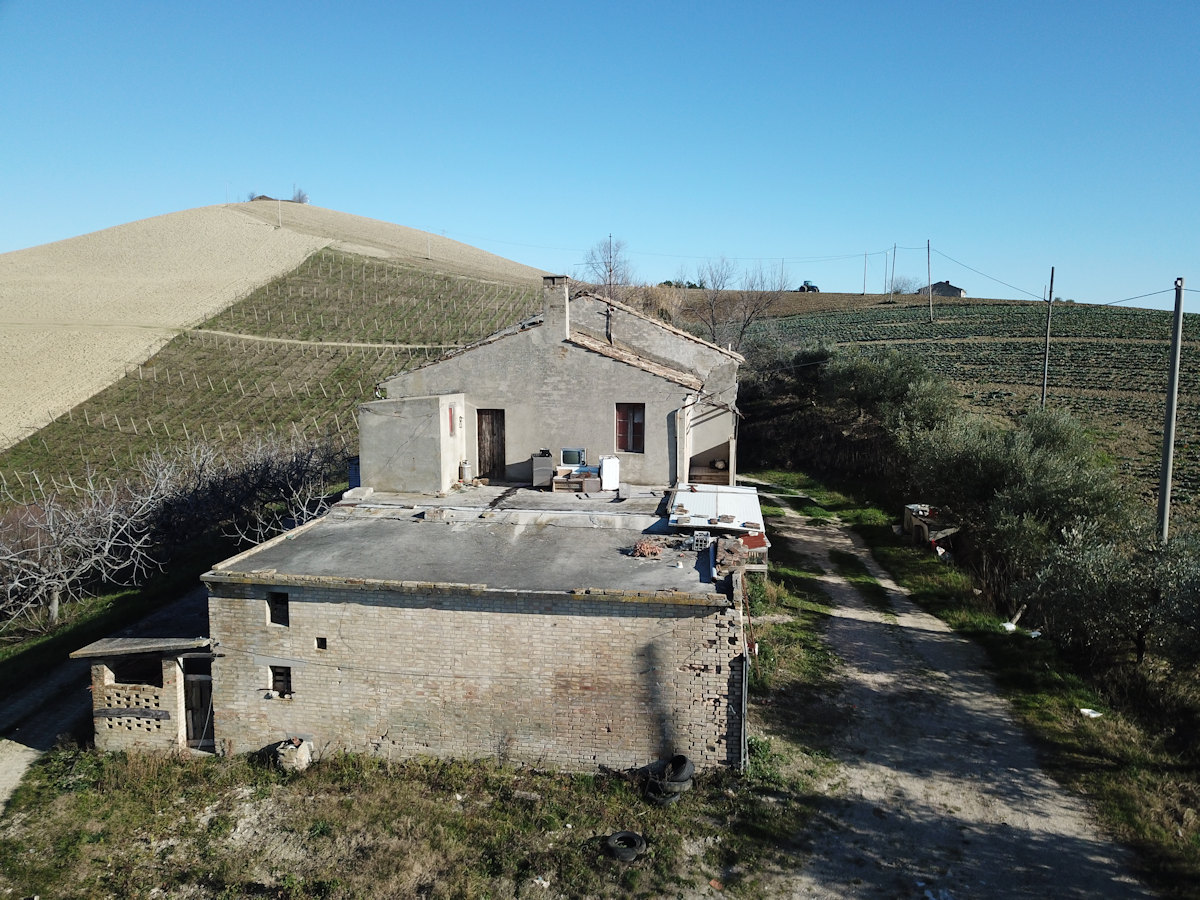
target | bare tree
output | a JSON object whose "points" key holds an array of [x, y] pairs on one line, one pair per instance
{"points": [[908, 284], [607, 265], [52, 552], [727, 314], [299, 195], [293, 486], [712, 306], [760, 292]]}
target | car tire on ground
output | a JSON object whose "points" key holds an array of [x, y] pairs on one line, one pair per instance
{"points": [[625, 845], [680, 768], [671, 787]]}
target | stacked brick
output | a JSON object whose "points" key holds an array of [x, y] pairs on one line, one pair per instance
{"points": [[138, 716]]}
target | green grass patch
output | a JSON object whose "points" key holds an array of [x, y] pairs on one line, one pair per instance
{"points": [[851, 568]]}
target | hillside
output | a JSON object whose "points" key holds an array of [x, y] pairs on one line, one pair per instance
{"points": [[77, 314], [1108, 366], [296, 353]]}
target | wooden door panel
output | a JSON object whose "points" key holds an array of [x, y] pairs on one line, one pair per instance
{"points": [[491, 444]]}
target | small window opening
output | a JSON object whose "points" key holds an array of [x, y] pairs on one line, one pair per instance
{"points": [[281, 680], [277, 605], [322, 643]]}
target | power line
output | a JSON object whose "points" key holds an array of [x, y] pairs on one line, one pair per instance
{"points": [[1140, 297], [986, 275]]}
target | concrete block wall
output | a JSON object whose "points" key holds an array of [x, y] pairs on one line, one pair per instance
{"points": [[553, 395], [139, 731], [655, 340], [566, 680]]}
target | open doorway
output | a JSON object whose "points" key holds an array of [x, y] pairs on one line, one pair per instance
{"points": [[197, 702]]}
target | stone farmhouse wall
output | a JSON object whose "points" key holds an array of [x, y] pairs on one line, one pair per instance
{"points": [[566, 680]]}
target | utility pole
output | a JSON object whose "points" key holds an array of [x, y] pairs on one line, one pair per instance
{"points": [[929, 277], [1046, 358], [608, 268], [892, 283], [864, 274], [1168, 452]]}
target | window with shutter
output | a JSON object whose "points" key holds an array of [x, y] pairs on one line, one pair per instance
{"points": [[631, 427]]}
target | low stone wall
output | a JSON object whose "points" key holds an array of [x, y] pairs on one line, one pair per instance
{"points": [[571, 680]]}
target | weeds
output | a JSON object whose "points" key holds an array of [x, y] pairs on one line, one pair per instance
{"points": [[89, 824], [851, 568]]}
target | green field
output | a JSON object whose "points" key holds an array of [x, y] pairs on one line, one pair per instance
{"points": [[1108, 366], [300, 354]]}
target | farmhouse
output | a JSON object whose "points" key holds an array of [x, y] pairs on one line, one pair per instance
{"points": [[542, 627], [589, 375], [585, 610], [942, 289]]}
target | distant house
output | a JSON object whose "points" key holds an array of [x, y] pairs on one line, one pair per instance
{"points": [[943, 289], [589, 375]]}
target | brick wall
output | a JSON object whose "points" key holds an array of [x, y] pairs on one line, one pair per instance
{"points": [[156, 720], [567, 680]]}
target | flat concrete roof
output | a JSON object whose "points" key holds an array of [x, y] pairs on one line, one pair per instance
{"points": [[492, 537]]}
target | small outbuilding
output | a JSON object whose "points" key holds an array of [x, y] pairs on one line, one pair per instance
{"points": [[943, 289], [151, 693]]}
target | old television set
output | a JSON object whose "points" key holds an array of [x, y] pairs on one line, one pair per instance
{"points": [[575, 457]]}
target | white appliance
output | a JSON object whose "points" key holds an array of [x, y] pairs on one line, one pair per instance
{"points": [[610, 473]]}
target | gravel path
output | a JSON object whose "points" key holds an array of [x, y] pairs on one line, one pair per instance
{"points": [[938, 792]]}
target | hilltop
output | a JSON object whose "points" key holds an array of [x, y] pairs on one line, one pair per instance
{"points": [[76, 315]]}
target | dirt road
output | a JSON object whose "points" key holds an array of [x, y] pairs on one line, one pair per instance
{"points": [[33, 715], [937, 792]]}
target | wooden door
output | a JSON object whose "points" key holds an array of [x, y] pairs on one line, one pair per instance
{"points": [[491, 444]]}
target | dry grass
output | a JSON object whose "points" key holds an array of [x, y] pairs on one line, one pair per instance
{"points": [[296, 355], [117, 825]]}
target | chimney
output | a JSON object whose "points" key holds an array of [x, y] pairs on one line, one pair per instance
{"points": [[556, 313]]}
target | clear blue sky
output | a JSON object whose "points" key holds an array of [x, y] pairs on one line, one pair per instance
{"points": [[1015, 136]]}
